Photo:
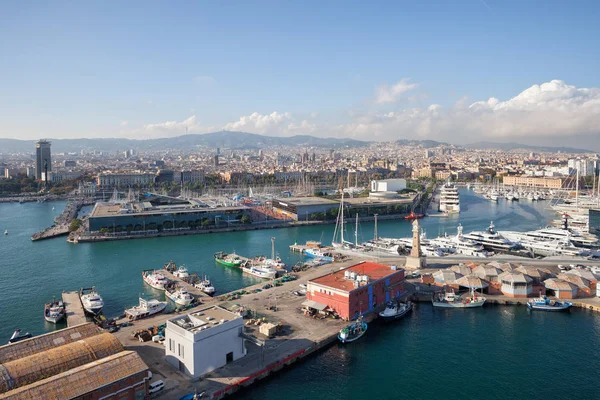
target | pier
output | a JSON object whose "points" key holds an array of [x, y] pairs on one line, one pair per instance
{"points": [[73, 308], [62, 222], [197, 293]]}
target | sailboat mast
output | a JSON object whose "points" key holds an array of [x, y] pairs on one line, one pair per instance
{"points": [[272, 248], [375, 229], [342, 219], [356, 232], [577, 190]]}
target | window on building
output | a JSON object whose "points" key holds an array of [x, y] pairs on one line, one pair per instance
{"points": [[179, 349], [171, 345]]}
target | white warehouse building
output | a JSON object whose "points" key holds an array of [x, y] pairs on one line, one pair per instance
{"points": [[203, 341], [388, 185]]}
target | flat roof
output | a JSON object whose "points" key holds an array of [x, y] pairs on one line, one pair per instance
{"points": [[204, 319], [338, 280], [370, 201], [114, 210], [307, 201]]}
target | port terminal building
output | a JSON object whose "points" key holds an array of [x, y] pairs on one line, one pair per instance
{"points": [[205, 340], [158, 213], [359, 289]]}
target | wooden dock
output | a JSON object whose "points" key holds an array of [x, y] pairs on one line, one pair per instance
{"points": [[73, 308]]}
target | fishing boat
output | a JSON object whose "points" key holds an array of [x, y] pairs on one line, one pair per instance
{"points": [[181, 272], [315, 252], [179, 296], [261, 271], [155, 279], [145, 309], [543, 303], [17, 336], [91, 300], [229, 260], [54, 311], [206, 286], [451, 300], [395, 310], [354, 331]]}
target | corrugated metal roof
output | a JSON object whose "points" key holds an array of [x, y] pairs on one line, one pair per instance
{"points": [[515, 277], [47, 341], [559, 284], [83, 379], [38, 366], [446, 276], [575, 279]]}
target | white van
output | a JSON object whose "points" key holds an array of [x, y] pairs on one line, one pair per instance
{"points": [[156, 386]]}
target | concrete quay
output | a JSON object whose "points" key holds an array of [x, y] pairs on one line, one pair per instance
{"points": [[51, 232], [73, 308]]}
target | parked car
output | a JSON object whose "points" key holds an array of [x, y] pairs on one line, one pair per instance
{"points": [[156, 386]]}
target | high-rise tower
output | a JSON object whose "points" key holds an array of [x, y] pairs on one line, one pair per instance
{"points": [[43, 159]]}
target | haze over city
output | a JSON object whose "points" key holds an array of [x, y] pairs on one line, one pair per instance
{"points": [[458, 72]]}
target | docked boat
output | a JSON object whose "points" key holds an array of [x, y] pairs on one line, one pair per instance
{"points": [[451, 300], [181, 272], [396, 310], [54, 311], [413, 216], [155, 279], [270, 262], [229, 260], [261, 271], [145, 309], [6, 232], [449, 198], [206, 286], [543, 303], [179, 296], [462, 245], [354, 331], [315, 252], [492, 240], [90, 299], [17, 336]]}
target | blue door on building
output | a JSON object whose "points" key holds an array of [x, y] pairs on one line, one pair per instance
{"points": [[370, 297], [387, 293]]}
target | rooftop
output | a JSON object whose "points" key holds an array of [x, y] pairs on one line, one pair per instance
{"points": [[338, 279], [141, 208], [307, 201], [204, 319], [370, 201]]}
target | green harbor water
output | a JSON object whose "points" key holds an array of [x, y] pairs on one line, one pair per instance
{"points": [[495, 352]]}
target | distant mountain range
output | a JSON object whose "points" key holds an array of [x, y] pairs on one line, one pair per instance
{"points": [[518, 146], [224, 139], [241, 140]]}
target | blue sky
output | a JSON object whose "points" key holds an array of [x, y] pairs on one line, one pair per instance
{"points": [[151, 69]]}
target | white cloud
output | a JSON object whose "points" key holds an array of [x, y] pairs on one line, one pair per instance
{"points": [[124, 123], [274, 123], [205, 80], [391, 94]]}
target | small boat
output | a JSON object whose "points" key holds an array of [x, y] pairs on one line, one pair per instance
{"points": [[229, 260], [451, 300], [413, 216], [316, 252], [353, 331], [543, 303], [91, 300], [181, 272], [179, 296], [260, 271], [54, 311], [17, 336], [155, 279], [6, 232], [145, 309], [396, 310], [206, 286]]}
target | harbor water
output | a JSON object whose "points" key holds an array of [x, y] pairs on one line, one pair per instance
{"points": [[465, 353]]}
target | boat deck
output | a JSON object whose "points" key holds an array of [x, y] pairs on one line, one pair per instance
{"points": [[73, 308]]}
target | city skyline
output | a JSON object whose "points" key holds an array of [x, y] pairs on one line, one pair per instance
{"points": [[460, 73]]}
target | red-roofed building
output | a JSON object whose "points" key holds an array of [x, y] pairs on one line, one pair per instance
{"points": [[357, 289]]}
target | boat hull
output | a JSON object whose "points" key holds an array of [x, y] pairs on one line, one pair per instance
{"points": [[353, 338], [227, 263], [178, 301], [135, 316], [393, 317], [458, 304], [54, 320], [548, 308]]}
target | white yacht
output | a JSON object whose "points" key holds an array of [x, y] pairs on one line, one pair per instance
{"points": [[91, 300], [492, 240], [181, 272], [449, 199], [206, 286], [179, 296], [145, 309], [155, 279], [548, 248], [461, 245], [552, 234], [261, 271]]}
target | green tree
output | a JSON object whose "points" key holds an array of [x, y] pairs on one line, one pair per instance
{"points": [[75, 224], [246, 220]]}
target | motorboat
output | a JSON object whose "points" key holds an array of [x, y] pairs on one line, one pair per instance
{"points": [[449, 198], [206, 286], [315, 252], [145, 309], [451, 300], [543, 303], [261, 271], [17, 336], [90, 299], [491, 239], [181, 272], [155, 279], [395, 310], [179, 296], [54, 311], [462, 245], [354, 331]]}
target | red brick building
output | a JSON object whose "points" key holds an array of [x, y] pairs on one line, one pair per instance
{"points": [[355, 290]]}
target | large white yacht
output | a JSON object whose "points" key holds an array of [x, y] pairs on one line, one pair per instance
{"points": [[547, 248], [462, 245], [490, 239], [449, 199], [553, 234], [155, 279], [91, 300]]}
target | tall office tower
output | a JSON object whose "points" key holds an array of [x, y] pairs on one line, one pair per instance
{"points": [[43, 160]]}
